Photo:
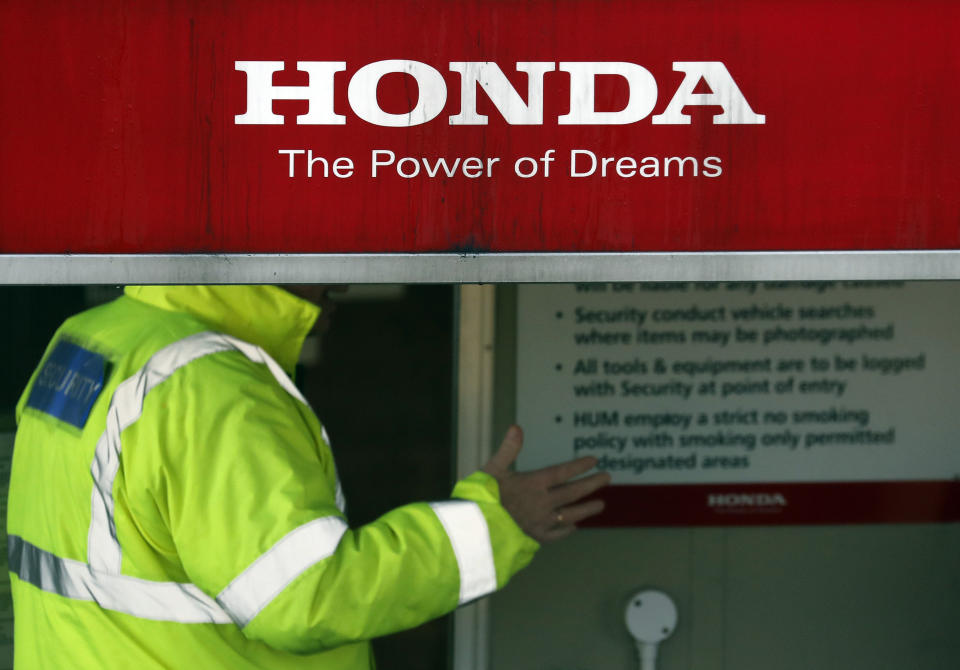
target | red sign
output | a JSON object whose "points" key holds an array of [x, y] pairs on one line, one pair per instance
{"points": [[780, 503], [498, 126]]}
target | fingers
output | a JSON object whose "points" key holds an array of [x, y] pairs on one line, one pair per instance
{"points": [[507, 453], [571, 516], [557, 474], [564, 494], [574, 514]]}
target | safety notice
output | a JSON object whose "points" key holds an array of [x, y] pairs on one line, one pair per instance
{"points": [[742, 382]]}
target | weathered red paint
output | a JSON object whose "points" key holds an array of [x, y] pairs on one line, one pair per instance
{"points": [[117, 132]]}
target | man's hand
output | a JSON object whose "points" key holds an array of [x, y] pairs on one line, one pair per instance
{"points": [[544, 502]]}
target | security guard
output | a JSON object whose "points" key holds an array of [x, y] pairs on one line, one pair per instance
{"points": [[174, 502]]}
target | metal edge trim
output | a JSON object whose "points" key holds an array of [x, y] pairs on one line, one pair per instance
{"points": [[476, 268]]}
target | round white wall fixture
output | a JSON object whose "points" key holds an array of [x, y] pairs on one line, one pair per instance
{"points": [[651, 617]]}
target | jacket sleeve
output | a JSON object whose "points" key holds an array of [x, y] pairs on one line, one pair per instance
{"points": [[246, 485]]}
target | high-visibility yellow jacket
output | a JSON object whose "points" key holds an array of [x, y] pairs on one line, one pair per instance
{"points": [[174, 502]]}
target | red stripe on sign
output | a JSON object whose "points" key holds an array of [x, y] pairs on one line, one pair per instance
{"points": [[777, 504], [119, 130]]}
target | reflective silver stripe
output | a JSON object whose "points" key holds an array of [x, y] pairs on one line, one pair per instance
{"points": [[467, 529], [126, 406], [341, 500], [159, 601], [255, 587]]}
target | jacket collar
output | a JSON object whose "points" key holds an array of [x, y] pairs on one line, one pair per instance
{"points": [[266, 316]]}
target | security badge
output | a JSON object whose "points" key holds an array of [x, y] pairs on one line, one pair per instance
{"points": [[69, 383]]}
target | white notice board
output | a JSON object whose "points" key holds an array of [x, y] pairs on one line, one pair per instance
{"points": [[743, 383]]}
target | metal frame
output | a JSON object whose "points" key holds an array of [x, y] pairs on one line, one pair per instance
{"points": [[477, 268], [475, 337]]}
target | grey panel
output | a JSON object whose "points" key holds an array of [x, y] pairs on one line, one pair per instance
{"points": [[479, 268]]}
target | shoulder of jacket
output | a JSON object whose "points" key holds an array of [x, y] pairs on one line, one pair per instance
{"points": [[227, 380]]}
